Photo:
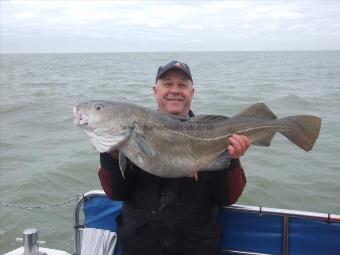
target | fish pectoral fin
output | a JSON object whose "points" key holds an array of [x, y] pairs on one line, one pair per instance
{"points": [[122, 163], [263, 139], [142, 143], [144, 146], [259, 110]]}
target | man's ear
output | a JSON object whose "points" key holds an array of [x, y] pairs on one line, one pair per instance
{"points": [[154, 89]]}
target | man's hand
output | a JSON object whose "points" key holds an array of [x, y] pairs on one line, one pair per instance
{"points": [[239, 144]]}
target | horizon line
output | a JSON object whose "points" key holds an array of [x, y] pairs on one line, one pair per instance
{"points": [[183, 51]]}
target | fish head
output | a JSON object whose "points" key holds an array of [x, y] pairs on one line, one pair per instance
{"points": [[104, 122], [99, 116]]}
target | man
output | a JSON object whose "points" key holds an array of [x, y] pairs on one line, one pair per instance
{"points": [[179, 215]]}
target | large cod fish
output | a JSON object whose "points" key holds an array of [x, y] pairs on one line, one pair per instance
{"points": [[170, 146]]}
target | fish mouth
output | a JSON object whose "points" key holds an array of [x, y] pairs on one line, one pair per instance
{"points": [[80, 118]]}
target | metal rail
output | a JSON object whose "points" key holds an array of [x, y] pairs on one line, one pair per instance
{"points": [[328, 217], [243, 252], [78, 226]]}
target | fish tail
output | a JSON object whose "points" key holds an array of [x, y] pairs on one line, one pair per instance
{"points": [[302, 130]]}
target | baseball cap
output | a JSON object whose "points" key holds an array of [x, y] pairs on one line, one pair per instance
{"points": [[174, 65]]}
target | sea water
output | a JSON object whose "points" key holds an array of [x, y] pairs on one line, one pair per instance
{"points": [[44, 161]]}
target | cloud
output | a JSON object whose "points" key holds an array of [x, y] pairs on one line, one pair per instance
{"points": [[128, 25]]}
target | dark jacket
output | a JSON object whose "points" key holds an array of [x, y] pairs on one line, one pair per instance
{"points": [[170, 215]]}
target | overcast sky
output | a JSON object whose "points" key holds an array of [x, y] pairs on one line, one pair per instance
{"points": [[111, 26]]}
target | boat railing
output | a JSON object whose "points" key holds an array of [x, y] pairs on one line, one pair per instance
{"points": [[286, 215], [258, 210], [328, 217], [79, 226]]}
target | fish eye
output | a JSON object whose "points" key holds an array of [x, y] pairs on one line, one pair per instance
{"points": [[99, 107]]}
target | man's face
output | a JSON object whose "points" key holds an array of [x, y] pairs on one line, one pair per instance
{"points": [[174, 92]]}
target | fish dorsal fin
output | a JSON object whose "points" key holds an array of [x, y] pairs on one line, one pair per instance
{"points": [[173, 116], [258, 110], [205, 117]]}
